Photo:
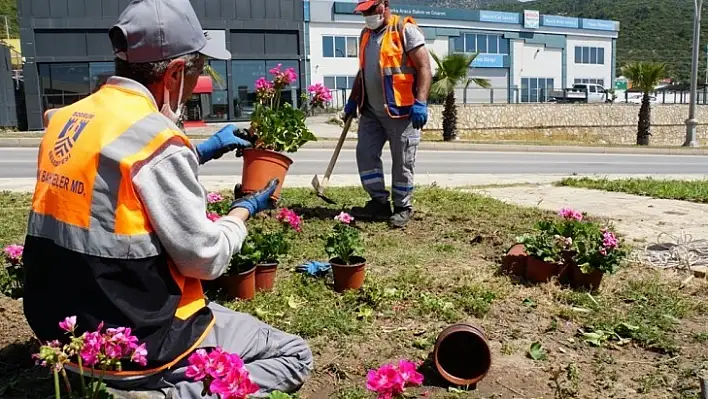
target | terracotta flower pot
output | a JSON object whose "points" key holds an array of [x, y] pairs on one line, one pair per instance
{"points": [[514, 262], [538, 271], [265, 276], [590, 281], [260, 166], [242, 285], [462, 355], [348, 277]]}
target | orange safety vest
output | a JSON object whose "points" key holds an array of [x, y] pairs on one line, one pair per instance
{"points": [[85, 201], [397, 70]]}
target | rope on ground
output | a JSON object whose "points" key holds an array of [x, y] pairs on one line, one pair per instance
{"points": [[674, 252]]}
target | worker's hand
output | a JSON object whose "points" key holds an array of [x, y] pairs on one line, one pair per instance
{"points": [[350, 108], [258, 201], [419, 114], [225, 140]]}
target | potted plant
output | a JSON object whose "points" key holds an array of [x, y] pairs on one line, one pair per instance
{"points": [[239, 281], [271, 246], [277, 128], [344, 247], [598, 252], [544, 253]]}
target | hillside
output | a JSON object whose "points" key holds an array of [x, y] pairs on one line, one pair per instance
{"points": [[8, 8]]}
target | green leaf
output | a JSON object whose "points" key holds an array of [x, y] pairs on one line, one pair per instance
{"points": [[536, 351], [279, 395], [595, 338], [529, 302], [293, 303]]}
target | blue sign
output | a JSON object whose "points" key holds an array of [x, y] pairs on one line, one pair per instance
{"points": [[488, 61], [599, 24], [499, 17], [560, 22]]}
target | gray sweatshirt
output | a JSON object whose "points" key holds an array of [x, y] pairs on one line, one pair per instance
{"points": [[176, 205]]}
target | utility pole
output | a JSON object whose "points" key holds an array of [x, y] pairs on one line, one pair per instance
{"points": [[691, 122], [7, 28], [706, 65]]}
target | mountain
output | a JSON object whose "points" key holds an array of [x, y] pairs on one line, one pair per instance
{"points": [[8, 8], [453, 3]]}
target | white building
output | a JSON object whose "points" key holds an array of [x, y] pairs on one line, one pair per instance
{"points": [[523, 55]]}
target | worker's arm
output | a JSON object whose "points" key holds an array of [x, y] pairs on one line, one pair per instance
{"points": [[175, 203], [415, 47]]}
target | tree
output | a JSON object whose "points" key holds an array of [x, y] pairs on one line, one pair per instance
{"points": [[644, 76], [452, 71]]}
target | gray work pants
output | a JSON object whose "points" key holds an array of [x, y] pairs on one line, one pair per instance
{"points": [[275, 360], [403, 142]]}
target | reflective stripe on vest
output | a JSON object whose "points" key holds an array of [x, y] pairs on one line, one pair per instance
{"points": [[398, 74], [85, 200]]}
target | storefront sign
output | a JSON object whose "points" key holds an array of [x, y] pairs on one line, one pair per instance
{"points": [[532, 19], [599, 24], [488, 61], [499, 17], [560, 22]]}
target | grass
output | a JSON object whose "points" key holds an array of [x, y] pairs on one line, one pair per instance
{"points": [[641, 336], [686, 190]]}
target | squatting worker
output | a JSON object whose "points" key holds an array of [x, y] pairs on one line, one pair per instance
{"points": [[118, 230], [393, 81]]}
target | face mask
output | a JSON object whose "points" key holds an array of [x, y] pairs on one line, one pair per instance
{"points": [[374, 21], [167, 109]]}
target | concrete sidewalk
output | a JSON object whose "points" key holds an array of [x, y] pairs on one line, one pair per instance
{"points": [[640, 219]]}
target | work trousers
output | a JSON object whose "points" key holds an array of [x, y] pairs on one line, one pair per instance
{"points": [[275, 360], [403, 141]]}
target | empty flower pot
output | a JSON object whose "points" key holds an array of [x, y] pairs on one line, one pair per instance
{"points": [[242, 285], [265, 276], [538, 271], [514, 262], [348, 277], [260, 167], [589, 281], [462, 355]]}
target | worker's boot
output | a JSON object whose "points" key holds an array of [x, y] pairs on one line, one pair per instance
{"points": [[373, 211], [401, 217]]}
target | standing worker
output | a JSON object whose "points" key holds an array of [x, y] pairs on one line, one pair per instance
{"points": [[118, 231], [393, 81]]}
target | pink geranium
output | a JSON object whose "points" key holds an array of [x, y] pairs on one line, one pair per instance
{"points": [[13, 253], [320, 95], [213, 216], [291, 218], [344, 218], [222, 373], [609, 240], [390, 381], [283, 78], [214, 198], [570, 214], [68, 324]]}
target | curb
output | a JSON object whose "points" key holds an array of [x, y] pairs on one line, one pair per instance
{"points": [[22, 142]]}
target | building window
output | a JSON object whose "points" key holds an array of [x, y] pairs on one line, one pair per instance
{"points": [[339, 82], [480, 43], [536, 90], [590, 55], [600, 82], [244, 76], [340, 46], [64, 83], [218, 109]]}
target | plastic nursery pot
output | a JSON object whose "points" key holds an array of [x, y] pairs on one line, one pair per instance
{"points": [[260, 166], [514, 262], [538, 271], [348, 277], [242, 285], [265, 276], [589, 281], [462, 355]]}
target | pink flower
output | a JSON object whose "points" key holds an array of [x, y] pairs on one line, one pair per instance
{"points": [[276, 70], [68, 324], [198, 362], [291, 218], [263, 84], [570, 214], [344, 218], [320, 95], [224, 372], [213, 216], [609, 240], [13, 253], [214, 197], [140, 355], [387, 381], [93, 343], [409, 372], [283, 78]]}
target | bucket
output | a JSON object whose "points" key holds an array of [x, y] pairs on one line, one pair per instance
{"points": [[462, 355]]}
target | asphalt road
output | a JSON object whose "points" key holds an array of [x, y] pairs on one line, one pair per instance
{"points": [[21, 163]]}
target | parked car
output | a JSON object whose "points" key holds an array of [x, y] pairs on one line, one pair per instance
{"points": [[581, 92], [636, 98]]}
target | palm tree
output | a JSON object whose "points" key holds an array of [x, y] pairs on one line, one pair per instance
{"points": [[452, 71], [215, 76], [645, 76]]}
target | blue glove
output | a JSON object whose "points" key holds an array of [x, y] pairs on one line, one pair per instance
{"points": [[225, 140], [314, 268], [258, 201], [419, 114], [350, 108]]}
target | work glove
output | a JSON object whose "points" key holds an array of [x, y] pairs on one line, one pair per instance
{"points": [[314, 268], [419, 114], [350, 108], [225, 140], [258, 201]]}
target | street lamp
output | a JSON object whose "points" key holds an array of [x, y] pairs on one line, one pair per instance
{"points": [[691, 122]]}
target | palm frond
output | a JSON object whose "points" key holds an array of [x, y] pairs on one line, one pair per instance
{"points": [[645, 75], [215, 76], [453, 71]]}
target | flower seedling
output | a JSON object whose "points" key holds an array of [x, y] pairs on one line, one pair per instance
{"points": [[344, 242], [12, 276], [223, 374]]}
